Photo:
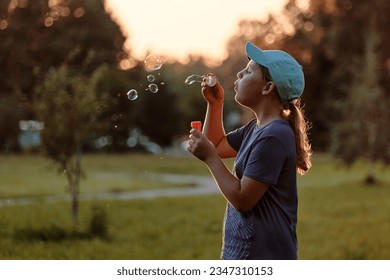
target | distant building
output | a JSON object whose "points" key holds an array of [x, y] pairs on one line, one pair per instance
{"points": [[30, 133]]}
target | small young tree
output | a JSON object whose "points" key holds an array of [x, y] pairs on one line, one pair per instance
{"points": [[69, 106]]}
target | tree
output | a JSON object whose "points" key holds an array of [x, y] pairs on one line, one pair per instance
{"points": [[359, 81], [69, 106], [362, 133], [10, 114], [16, 23], [38, 35]]}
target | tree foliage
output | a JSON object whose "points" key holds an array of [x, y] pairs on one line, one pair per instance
{"points": [[69, 106], [342, 45], [363, 65], [39, 35]]}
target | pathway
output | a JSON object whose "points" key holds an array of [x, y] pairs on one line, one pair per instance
{"points": [[199, 185]]}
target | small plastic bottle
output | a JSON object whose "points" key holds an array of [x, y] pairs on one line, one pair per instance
{"points": [[197, 125]]}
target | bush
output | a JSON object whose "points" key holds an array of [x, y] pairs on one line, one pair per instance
{"points": [[98, 225]]}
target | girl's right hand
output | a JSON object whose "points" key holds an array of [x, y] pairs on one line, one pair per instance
{"points": [[200, 146], [213, 94]]}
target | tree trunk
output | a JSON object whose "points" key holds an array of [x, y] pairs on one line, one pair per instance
{"points": [[75, 207], [73, 175], [76, 186], [372, 135], [73, 190]]}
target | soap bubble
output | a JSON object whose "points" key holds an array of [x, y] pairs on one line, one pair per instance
{"points": [[193, 78], [132, 94], [153, 88], [150, 78], [152, 63], [211, 79]]}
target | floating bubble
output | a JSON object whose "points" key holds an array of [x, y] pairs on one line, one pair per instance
{"points": [[153, 63], [193, 78], [150, 78], [211, 79], [153, 88], [132, 94]]}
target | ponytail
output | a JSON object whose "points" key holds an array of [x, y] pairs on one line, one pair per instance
{"points": [[293, 112]]}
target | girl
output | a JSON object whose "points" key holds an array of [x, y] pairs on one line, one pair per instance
{"points": [[261, 214]]}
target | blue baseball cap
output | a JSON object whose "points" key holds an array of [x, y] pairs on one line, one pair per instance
{"points": [[285, 71]]}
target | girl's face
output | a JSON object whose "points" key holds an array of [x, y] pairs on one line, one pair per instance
{"points": [[249, 85]]}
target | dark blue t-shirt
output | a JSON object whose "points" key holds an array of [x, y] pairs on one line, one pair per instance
{"points": [[268, 230]]}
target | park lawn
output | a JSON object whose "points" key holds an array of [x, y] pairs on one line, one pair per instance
{"points": [[339, 218], [344, 222], [348, 222], [34, 175], [161, 228]]}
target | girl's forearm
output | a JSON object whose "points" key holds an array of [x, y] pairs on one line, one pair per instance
{"points": [[228, 184], [213, 124]]}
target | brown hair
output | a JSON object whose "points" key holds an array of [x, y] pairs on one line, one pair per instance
{"points": [[293, 112]]}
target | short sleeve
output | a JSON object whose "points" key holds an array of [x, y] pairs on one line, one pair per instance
{"points": [[236, 137], [266, 160]]}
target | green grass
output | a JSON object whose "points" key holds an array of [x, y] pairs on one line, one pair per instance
{"points": [[345, 222], [339, 216], [23, 176], [164, 228]]}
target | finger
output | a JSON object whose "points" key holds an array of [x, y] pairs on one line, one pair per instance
{"points": [[195, 133], [199, 133], [190, 147]]}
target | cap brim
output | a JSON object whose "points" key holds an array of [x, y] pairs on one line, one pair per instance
{"points": [[256, 54]]}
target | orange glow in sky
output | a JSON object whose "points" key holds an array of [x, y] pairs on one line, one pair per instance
{"points": [[176, 28]]}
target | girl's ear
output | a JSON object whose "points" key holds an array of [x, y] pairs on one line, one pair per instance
{"points": [[269, 87]]}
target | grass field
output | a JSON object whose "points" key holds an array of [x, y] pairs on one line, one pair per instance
{"points": [[339, 217], [37, 176]]}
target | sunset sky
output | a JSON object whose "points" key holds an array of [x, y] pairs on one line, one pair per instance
{"points": [[178, 27]]}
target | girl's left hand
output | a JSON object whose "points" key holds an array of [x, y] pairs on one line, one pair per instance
{"points": [[200, 146]]}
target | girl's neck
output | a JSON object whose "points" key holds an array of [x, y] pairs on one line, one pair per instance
{"points": [[267, 113]]}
